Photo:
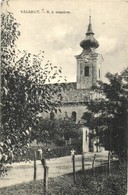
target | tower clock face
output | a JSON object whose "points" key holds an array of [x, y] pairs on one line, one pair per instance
{"points": [[86, 58]]}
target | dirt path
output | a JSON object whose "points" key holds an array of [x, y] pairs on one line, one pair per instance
{"points": [[23, 172]]}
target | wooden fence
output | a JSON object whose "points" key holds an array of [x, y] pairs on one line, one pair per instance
{"points": [[73, 158]]}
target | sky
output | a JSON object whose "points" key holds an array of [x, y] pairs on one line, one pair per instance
{"points": [[59, 34]]}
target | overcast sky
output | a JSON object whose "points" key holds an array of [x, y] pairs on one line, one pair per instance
{"points": [[59, 35]]}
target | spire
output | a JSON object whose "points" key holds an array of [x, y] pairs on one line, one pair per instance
{"points": [[89, 41], [89, 31], [90, 19]]}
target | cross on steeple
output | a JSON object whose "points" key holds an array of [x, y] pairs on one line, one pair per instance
{"points": [[90, 19]]}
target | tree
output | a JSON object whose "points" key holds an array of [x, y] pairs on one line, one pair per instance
{"points": [[24, 89], [56, 131], [66, 129], [108, 113]]}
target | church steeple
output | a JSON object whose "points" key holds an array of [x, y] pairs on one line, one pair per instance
{"points": [[88, 65], [89, 41], [89, 31]]}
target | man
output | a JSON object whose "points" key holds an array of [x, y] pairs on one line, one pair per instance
{"points": [[72, 152]]}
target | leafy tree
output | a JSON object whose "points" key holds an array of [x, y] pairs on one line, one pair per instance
{"points": [[56, 131], [24, 92], [65, 129], [108, 113]]}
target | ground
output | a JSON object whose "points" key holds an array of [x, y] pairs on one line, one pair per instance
{"points": [[23, 172], [101, 183]]}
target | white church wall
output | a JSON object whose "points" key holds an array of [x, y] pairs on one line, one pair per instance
{"points": [[67, 111]]}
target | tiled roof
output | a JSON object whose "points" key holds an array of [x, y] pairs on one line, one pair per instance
{"points": [[73, 95], [70, 93]]}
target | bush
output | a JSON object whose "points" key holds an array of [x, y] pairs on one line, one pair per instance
{"points": [[104, 184], [28, 154], [66, 150]]}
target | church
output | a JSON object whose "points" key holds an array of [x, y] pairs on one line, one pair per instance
{"points": [[77, 94]]}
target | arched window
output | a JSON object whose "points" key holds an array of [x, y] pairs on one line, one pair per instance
{"points": [[86, 71], [86, 135], [99, 73], [74, 116], [52, 115]]}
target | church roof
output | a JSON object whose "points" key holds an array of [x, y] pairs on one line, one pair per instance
{"points": [[71, 94]]}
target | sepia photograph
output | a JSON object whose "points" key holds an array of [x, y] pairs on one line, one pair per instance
{"points": [[64, 97]]}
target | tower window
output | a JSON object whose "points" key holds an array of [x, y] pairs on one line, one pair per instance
{"points": [[52, 115], [74, 116], [86, 135], [86, 71], [99, 73]]}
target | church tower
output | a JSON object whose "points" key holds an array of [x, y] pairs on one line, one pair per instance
{"points": [[88, 62]]}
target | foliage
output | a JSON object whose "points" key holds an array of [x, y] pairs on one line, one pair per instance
{"points": [[108, 113], [24, 92], [59, 151], [56, 130], [86, 184]]}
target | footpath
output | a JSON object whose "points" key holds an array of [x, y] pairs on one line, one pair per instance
{"points": [[24, 171]]}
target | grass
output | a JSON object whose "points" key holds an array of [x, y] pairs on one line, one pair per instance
{"points": [[86, 184]]}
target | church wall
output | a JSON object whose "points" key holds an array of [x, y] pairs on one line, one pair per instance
{"points": [[67, 111], [78, 74], [86, 81], [94, 69], [87, 59]]}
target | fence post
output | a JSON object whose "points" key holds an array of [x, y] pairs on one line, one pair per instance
{"points": [[109, 162], [83, 161], [34, 176], [93, 165], [74, 172], [46, 179], [46, 169]]}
